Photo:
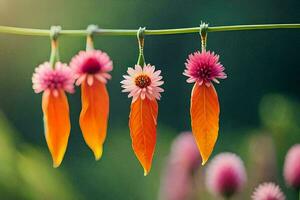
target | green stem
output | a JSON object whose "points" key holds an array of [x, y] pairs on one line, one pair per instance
{"points": [[299, 193], [127, 32], [89, 43], [54, 56], [227, 198], [141, 40], [141, 60]]}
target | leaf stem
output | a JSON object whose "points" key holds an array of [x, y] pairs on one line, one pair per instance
{"points": [[133, 32]]}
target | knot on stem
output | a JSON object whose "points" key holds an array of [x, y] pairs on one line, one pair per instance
{"points": [[54, 32], [91, 30]]}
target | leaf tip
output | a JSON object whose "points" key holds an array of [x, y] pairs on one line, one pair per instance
{"points": [[56, 164], [146, 172], [98, 153], [205, 158], [57, 158]]}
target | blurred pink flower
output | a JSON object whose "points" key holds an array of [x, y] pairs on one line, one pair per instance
{"points": [[177, 182], [176, 185], [225, 175], [184, 152], [54, 79], [292, 167], [204, 67], [268, 191]]}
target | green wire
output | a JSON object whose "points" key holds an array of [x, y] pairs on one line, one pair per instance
{"points": [[128, 32]]}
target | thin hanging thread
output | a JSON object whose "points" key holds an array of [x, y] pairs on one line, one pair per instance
{"points": [[132, 32], [203, 35], [141, 41], [91, 30], [54, 33]]}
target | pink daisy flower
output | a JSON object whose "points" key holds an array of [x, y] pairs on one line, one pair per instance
{"points": [[46, 78], [268, 191], [204, 67], [225, 175], [143, 82], [292, 167], [90, 65]]}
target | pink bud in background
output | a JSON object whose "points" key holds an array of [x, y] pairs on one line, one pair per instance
{"points": [[291, 170], [268, 191], [225, 175], [177, 182]]}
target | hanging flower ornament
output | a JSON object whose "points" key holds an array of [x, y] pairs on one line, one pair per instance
{"points": [[91, 69], [203, 68], [143, 84], [54, 78]]}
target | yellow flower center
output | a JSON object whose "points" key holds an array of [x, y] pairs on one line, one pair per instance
{"points": [[142, 81]]}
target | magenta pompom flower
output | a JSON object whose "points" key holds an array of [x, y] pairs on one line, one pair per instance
{"points": [[143, 82], [88, 65], [268, 191], [292, 167], [204, 67], [54, 79], [225, 175]]}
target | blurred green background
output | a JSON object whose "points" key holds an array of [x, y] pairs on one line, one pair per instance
{"points": [[260, 97]]}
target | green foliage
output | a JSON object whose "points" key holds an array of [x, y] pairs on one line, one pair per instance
{"points": [[25, 171]]}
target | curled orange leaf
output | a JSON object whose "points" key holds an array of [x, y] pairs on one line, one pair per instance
{"points": [[94, 115], [205, 118], [57, 123], [142, 124]]}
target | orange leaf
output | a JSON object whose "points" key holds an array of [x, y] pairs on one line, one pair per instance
{"points": [[205, 118], [142, 124], [94, 115], [57, 124]]}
